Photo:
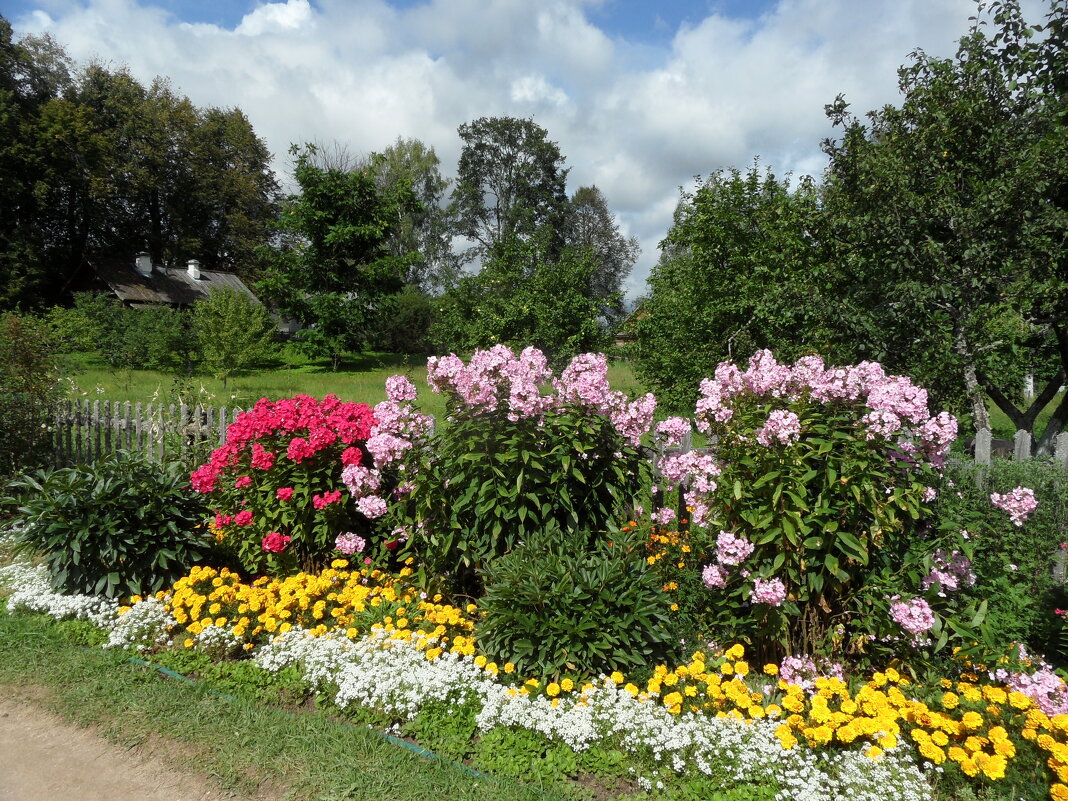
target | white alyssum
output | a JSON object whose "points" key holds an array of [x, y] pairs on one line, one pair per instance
{"points": [[144, 625], [31, 590]]}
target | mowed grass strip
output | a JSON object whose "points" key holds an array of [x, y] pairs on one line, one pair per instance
{"points": [[247, 747]]}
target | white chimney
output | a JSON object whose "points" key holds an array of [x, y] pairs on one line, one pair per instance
{"points": [[194, 269], [143, 264]]}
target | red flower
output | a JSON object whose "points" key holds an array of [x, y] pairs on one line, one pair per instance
{"points": [[392, 545], [351, 456], [284, 493], [242, 482], [275, 542], [222, 521], [243, 518]]}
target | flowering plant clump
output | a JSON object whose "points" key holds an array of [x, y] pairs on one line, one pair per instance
{"points": [[278, 483], [524, 451], [806, 513], [1019, 503]]}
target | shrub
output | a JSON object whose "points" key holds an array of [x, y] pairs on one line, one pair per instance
{"points": [[277, 483], [1020, 569], [513, 461], [558, 605], [118, 527], [810, 529], [29, 391], [233, 332]]}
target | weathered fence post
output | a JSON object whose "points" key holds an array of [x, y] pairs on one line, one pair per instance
{"points": [[1021, 446], [982, 446], [1060, 449]]}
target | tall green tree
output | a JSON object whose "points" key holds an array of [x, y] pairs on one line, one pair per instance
{"points": [[510, 184], [949, 212], [591, 226], [738, 271], [332, 266]]}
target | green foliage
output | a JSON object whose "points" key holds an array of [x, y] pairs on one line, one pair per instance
{"points": [[446, 728], [948, 213], [737, 273], [514, 162], [522, 297], [524, 754], [334, 267], [1018, 568], [486, 484], [406, 321], [233, 332], [560, 604], [118, 527], [29, 390]]}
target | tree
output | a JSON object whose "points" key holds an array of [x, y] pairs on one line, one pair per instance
{"points": [[423, 230], [510, 183], [738, 271], [591, 226], [949, 212], [233, 332], [519, 299], [332, 266]]}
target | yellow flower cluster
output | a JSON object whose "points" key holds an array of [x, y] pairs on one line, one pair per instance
{"points": [[335, 601], [1051, 735]]}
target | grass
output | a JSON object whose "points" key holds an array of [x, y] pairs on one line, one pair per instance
{"points": [[248, 747], [361, 378], [1003, 428]]}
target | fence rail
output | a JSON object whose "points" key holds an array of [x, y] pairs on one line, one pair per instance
{"points": [[86, 430]]}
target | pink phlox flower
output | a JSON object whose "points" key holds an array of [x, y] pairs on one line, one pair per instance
{"points": [[768, 591], [262, 459], [243, 518], [351, 456], [766, 376], [633, 419], [222, 521], [663, 516], [299, 449], [386, 448], [714, 577], [400, 389], [1019, 503], [881, 424], [950, 572], [371, 506], [361, 480], [327, 498], [275, 542], [284, 493], [584, 382], [242, 482], [782, 426], [731, 549], [349, 543], [915, 616], [674, 429]]}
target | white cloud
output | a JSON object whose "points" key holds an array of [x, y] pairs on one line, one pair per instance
{"points": [[637, 120]]}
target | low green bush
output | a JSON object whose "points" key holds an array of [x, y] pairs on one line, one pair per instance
{"points": [[555, 606], [1019, 569], [118, 527]]}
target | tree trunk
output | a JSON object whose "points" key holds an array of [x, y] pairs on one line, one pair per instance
{"points": [[980, 415]]}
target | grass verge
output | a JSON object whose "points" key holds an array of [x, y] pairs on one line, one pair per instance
{"points": [[249, 748]]}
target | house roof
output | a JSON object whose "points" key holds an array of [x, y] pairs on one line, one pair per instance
{"points": [[170, 285]]}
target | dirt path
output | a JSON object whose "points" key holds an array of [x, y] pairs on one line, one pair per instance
{"points": [[45, 758]]}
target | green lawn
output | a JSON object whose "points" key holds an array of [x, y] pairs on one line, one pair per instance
{"points": [[361, 378]]}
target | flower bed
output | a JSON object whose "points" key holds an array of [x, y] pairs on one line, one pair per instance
{"points": [[479, 569]]}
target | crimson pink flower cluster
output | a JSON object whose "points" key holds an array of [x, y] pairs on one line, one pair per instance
{"points": [[303, 425]]}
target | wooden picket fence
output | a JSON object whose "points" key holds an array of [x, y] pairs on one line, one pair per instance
{"points": [[86, 430]]}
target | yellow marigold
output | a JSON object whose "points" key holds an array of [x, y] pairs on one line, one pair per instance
{"points": [[874, 753], [553, 689], [771, 670], [736, 651], [567, 685], [950, 700], [616, 677], [957, 754], [630, 688], [1018, 700], [972, 720], [1058, 792], [741, 668], [509, 668]]}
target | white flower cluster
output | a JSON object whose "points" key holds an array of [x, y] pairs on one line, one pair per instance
{"points": [[146, 624], [395, 677], [32, 591]]}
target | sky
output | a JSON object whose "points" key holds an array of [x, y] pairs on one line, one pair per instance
{"points": [[640, 96]]}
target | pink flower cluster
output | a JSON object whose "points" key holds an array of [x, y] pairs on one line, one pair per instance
{"points": [[714, 577], [732, 550], [895, 406], [349, 543], [950, 572], [803, 671], [1048, 690], [303, 425], [783, 427], [768, 591], [497, 378], [275, 542], [915, 616], [673, 429], [663, 516], [1019, 503]]}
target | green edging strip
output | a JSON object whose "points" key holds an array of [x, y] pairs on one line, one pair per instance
{"points": [[248, 747], [415, 749]]}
